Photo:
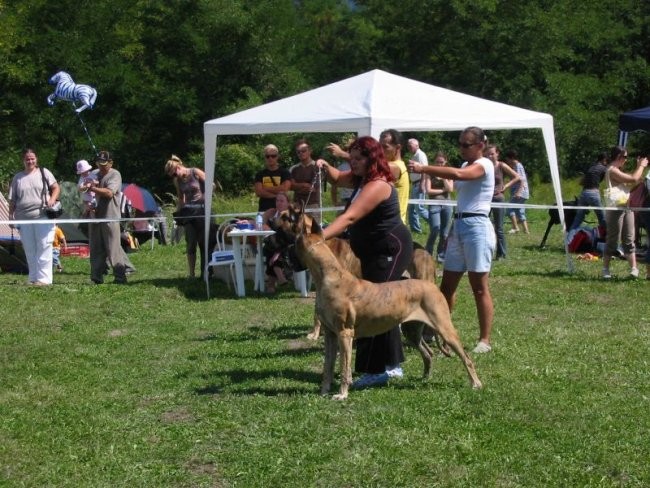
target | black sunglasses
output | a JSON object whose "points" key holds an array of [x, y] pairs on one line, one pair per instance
{"points": [[466, 145], [270, 156]]}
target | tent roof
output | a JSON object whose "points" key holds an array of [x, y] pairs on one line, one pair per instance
{"points": [[638, 119], [371, 102]]}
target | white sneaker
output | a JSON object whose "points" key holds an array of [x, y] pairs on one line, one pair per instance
{"points": [[394, 372], [482, 347], [513, 231], [606, 274], [634, 273]]}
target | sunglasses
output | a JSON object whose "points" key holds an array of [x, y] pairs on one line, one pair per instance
{"points": [[302, 150], [268, 156], [467, 145]]}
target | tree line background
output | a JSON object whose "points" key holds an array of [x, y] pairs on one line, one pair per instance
{"points": [[164, 67]]}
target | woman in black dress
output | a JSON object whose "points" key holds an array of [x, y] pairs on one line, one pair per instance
{"points": [[382, 243]]}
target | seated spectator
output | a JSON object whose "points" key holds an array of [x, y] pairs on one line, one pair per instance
{"points": [[277, 262]]}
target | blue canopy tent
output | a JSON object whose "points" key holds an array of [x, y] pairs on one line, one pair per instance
{"points": [[632, 121]]}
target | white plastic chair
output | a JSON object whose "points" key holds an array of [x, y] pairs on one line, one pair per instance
{"points": [[224, 255]]}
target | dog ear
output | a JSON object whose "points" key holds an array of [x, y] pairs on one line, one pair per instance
{"points": [[316, 228]]}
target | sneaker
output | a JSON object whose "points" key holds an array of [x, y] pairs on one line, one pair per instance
{"points": [[370, 380], [394, 371], [482, 347], [513, 231], [606, 274], [634, 273]]}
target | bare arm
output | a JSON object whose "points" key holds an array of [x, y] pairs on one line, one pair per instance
{"points": [[617, 176], [343, 179], [514, 176], [469, 172], [337, 152], [200, 175], [372, 194]]}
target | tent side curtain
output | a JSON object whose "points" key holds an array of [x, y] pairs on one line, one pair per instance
{"points": [[634, 120]]}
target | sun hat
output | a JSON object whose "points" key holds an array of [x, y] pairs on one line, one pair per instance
{"points": [[83, 166], [104, 157]]}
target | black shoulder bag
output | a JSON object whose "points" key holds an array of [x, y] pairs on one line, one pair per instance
{"points": [[56, 210]]}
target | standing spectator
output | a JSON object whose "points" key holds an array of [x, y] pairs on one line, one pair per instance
{"points": [[439, 215], [190, 192], [518, 193], [471, 242], [391, 142], [341, 196], [271, 180], [418, 191], [105, 236], [59, 240], [305, 181], [620, 222], [381, 241], [590, 196], [498, 213], [31, 192]]}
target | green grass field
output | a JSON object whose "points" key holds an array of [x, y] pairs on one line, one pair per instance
{"points": [[152, 385]]}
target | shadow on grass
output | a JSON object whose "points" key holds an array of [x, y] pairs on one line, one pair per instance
{"points": [[284, 332], [193, 288], [233, 378]]}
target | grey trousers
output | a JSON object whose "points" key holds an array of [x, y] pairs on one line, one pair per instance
{"points": [[105, 247]]}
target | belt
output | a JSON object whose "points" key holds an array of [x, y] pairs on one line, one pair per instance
{"points": [[194, 205], [464, 215]]}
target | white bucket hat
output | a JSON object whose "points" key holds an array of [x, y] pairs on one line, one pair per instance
{"points": [[83, 166]]}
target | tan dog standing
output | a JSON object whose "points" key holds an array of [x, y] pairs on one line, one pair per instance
{"points": [[350, 307]]}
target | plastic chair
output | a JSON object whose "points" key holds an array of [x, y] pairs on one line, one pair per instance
{"points": [[224, 255]]}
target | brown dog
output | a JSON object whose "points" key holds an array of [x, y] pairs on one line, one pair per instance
{"points": [[350, 307], [291, 222]]}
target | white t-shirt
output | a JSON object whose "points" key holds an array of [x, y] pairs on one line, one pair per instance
{"points": [[475, 196], [421, 158]]}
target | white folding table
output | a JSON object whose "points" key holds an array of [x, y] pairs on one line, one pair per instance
{"points": [[238, 237]]}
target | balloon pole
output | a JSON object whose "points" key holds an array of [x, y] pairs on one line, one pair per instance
{"points": [[83, 124]]}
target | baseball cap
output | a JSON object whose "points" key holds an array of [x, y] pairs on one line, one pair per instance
{"points": [[104, 157], [83, 166]]}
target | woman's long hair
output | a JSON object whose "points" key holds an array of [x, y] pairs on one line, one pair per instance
{"points": [[378, 167]]}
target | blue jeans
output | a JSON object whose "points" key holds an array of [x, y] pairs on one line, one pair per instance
{"points": [[415, 211], [439, 219], [645, 221], [498, 214], [520, 212], [588, 198]]}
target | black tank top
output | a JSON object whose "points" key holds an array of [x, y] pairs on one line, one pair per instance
{"points": [[371, 229]]}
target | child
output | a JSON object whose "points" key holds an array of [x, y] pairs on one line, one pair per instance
{"points": [[85, 180], [59, 239]]}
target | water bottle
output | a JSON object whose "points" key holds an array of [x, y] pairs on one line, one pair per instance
{"points": [[259, 222]]}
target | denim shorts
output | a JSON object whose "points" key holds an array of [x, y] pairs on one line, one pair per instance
{"points": [[520, 212], [470, 245]]}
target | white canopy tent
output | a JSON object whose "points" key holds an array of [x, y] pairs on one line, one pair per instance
{"points": [[374, 101]]}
